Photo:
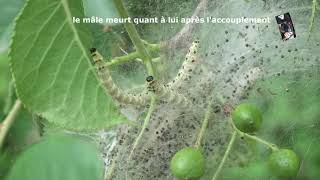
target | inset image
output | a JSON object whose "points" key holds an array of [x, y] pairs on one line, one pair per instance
{"points": [[286, 26]]}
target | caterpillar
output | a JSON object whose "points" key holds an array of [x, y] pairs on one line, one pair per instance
{"points": [[188, 65], [107, 82], [166, 93]]}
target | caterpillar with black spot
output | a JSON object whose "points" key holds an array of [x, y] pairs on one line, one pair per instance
{"points": [[188, 66], [113, 90], [167, 94]]}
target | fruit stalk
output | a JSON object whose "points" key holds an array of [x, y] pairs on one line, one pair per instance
{"points": [[144, 126], [226, 154], [203, 126], [273, 147]]}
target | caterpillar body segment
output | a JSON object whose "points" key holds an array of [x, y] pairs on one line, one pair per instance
{"points": [[107, 82], [167, 94], [188, 66]]}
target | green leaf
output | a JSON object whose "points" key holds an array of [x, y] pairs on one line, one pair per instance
{"points": [[23, 132], [52, 70], [59, 157], [21, 135], [6, 161]]}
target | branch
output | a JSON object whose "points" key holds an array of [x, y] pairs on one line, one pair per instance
{"points": [[135, 38], [8, 121]]}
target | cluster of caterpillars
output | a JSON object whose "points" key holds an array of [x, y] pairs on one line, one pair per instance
{"points": [[165, 92]]}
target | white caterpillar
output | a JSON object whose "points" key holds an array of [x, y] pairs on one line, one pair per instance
{"points": [[112, 89], [165, 93], [188, 66]]}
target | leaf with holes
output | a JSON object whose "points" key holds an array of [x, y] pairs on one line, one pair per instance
{"points": [[51, 67]]}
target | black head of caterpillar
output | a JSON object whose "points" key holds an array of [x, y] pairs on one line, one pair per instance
{"points": [[96, 57], [164, 92], [93, 50], [151, 83], [149, 78]]}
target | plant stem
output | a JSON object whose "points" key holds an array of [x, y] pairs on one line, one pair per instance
{"points": [[135, 38], [203, 126], [226, 154], [132, 56], [144, 126], [8, 121], [273, 147]]}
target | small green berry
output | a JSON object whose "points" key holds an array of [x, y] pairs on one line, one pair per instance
{"points": [[188, 163], [247, 118], [284, 163]]}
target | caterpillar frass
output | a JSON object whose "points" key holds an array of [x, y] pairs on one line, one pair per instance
{"points": [[188, 66], [107, 82], [244, 82], [166, 93]]}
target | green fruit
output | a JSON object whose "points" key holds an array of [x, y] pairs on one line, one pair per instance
{"points": [[188, 163], [284, 163], [247, 118]]}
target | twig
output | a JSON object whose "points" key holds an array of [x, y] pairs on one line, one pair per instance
{"points": [[132, 56], [8, 121], [227, 152], [135, 38]]}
